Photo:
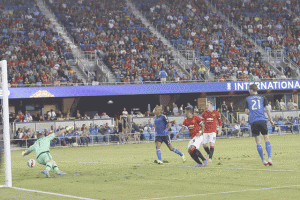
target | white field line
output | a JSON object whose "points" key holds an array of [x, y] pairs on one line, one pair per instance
{"points": [[52, 193], [249, 169], [228, 192]]}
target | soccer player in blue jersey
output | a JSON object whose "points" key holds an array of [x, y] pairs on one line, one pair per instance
{"points": [[162, 126], [255, 107]]}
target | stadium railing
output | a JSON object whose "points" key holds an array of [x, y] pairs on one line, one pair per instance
{"points": [[64, 84], [53, 125], [146, 137], [284, 114]]}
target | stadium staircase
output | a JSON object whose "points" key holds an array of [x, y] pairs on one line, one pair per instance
{"points": [[271, 58], [80, 64], [180, 61]]}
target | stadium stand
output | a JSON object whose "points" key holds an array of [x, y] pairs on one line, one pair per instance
{"points": [[36, 54], [191, 25], [127, 47], [273, 24]]}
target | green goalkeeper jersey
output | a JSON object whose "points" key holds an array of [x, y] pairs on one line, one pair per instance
{"points": [[42, 145]]}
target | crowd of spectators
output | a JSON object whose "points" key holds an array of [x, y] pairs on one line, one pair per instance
{"points": [[131, 51], [275, 25], [191, 25], [35, 52], [54, 116]]}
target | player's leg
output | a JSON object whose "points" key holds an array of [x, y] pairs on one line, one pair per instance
{"points": [[168, 142], [54, 166], [264, 132], [212, 141], [205, 142], [255, 133], [158, 142], [193, 148], [194, 155], [43, 159]]}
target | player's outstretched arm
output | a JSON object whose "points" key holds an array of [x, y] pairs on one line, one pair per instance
{"points": [[180, 131], [25, 153]]}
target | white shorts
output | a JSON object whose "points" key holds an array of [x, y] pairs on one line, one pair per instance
{"points": [[196, 141], [209, 138]]}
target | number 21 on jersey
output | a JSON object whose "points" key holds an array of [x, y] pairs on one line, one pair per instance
{"points": [[255, 104]]}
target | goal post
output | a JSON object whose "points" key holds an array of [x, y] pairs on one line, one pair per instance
{"points": [[5, 120]]}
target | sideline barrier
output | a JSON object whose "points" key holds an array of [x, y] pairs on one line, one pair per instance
{"points": [[40, 126], [284, 114], [146, 137]]}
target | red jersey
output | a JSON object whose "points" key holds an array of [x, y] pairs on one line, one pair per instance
{"points": [[210, 119], [193, 124]]}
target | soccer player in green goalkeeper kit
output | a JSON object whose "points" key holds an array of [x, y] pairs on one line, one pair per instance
{"points": [[42, 148]]}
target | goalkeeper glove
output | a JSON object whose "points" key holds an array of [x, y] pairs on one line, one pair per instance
{"points": [[23, 153]]}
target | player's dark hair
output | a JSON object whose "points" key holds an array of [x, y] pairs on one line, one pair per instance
{"points": [[253, 87], [188, 109]]}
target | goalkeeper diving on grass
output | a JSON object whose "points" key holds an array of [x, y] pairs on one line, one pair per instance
{"points": [[42, 148]]}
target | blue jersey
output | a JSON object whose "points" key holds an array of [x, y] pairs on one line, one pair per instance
{"points": [[161, 125], [256, 105]]}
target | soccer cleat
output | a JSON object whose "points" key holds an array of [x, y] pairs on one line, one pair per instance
{"points": [[183, 158], [209, 160], [270, 163], [265, 162], [198, 165], [207, 157], [158, 162], [46, 172], [205, 162], [60, 172]]}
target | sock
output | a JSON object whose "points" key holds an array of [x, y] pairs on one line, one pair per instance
{"points": [[211, 151], [158, 152], [177, 151], [48, 166], [260, 151], [199, 154], [54, 167], [268, 148], [195, 157], [207, 150]]}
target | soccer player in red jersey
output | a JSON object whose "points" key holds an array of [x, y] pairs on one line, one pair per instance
{"points": [[192, 122], [210, 118]]}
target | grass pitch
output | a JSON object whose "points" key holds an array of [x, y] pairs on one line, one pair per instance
{"points": [[128, 172]]}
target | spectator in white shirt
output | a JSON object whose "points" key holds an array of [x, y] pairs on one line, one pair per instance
{"points": [[27, 117], [282, 105], [104, 116], [52, 114], [214, 54], [139, 114], [270, 39]]}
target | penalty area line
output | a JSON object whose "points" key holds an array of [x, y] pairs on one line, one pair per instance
{"points": [[228, 192], [182, 166], [52, 193]]}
